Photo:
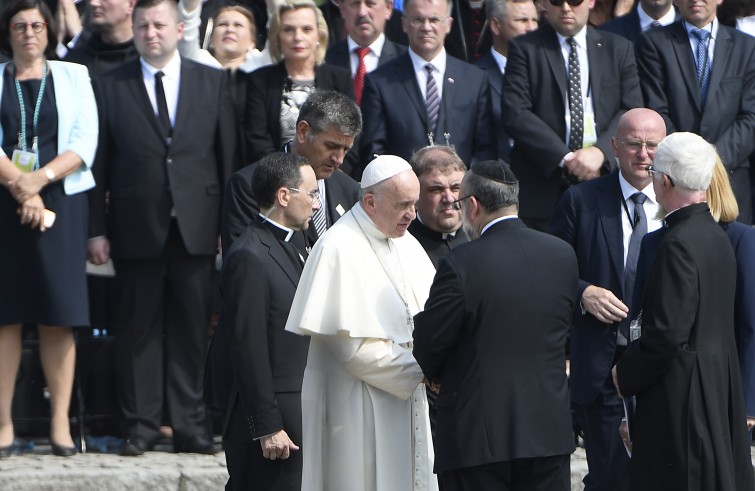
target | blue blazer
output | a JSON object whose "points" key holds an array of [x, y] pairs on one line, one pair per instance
{"points": [[77, 120], [589, 218]]}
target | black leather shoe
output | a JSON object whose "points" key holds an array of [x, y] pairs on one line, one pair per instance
{"points": [[196, 444], [135, 446], [62, 451], [14, 448]]}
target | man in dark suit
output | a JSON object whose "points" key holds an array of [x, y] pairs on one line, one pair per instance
{"points": [[562, 122], [689, 429], [602, 221], [469, 37], [366, 46], [437, 226], [507, 19], [496, 346], [426, 96], [254, 367], [326, 128], [714, 98], [165, 151], [646, 15]]}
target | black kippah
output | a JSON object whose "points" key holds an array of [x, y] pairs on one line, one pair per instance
{"points": [[496, 170]]}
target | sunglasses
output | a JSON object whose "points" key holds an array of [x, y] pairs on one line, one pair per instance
{"points": [[572, 3]]}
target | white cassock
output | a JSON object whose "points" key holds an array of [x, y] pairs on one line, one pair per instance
{"points": [[364, 408]]}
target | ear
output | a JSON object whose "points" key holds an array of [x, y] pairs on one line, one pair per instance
{"points": [[302, 132], [369, 203], [180, 27], [495, 27], [388, 9], [282, 196], [615, 146]]}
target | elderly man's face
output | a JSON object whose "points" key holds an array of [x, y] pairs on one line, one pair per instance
{"points": [[634, 145], [438, 191], [392, 209]]}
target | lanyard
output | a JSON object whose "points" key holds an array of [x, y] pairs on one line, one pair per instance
{"points": [[35, 121]]}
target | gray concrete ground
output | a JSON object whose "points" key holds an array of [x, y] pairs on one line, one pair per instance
{"points": [[42, 471]]}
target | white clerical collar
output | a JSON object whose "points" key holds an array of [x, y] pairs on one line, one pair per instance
{"points": [[580, 38], [172, 69], [289, 232], [376, 47], [438, 63], [712, 28], [645, 20], [627, 190], [499, 219], [499, 58]]}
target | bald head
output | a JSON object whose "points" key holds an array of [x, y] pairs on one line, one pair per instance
{"points": [[637, 135]]}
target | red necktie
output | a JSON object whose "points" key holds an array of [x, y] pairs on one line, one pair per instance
{"points": [[361, 72]]}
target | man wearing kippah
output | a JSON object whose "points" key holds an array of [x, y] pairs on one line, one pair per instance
{"points": [[364, 408], [493, 336]]}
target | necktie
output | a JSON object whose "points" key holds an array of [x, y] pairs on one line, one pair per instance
{"points": [[163, 116], [655, 23], [432, 99], [701, 58], [640, 228], [575, 98], [319, 221], [359, 76]]}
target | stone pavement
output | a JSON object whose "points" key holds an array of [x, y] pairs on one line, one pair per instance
{"points": [[42, 471]]}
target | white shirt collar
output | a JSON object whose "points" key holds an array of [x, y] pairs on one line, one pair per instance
{"points": [[376, 47], [171, 70], [580, 38], [712, 28], [493, 222], [438, 63], [645, 20], [499, 58], [289, 232], [627, 190]]}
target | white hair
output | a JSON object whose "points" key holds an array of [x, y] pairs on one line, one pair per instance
{"points": [[687, 159]]}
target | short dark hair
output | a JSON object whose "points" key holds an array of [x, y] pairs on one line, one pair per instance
{"points": [[441, 157], [17, 6], [148, 4], [326, 109], [492, 195], [275, 171]]}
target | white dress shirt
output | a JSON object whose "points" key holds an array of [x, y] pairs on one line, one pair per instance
{"points": [[171, 82], [372, 58], [439, 69]]}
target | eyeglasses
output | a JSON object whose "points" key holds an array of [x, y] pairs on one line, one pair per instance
{"points": [[652, 172], [572, 3], [457, 204], [312, 194], [635, 146], [433, 21], [20, 27]]}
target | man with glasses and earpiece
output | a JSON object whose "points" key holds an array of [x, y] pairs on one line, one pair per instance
{"points": [[604, 220], [565, 88]]}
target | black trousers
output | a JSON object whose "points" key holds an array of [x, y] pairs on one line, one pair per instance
{"points": [[163, 318], [534, 474]]}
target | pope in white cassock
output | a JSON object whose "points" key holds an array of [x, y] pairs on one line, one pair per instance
{"points": [[364, 409]]}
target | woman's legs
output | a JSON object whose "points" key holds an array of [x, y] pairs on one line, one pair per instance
{"points": [[57, 351], [10, 357]]}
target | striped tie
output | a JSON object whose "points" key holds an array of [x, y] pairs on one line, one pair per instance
{"points": [[318, 219], [432, 99]]}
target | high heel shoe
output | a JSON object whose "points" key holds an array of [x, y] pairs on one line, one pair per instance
{"points": [[62, 451], [15, 448]]}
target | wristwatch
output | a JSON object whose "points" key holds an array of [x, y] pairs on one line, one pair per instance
{"points": [[50, 174]]}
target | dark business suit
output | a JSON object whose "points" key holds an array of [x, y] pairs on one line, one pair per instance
{"points": [[263, 103], [338, 54], [240, 207], [254, 367], [496, 346], [689, 426], [495, 79], [589, 218], [627, 25], [395, 114], [434, 244], [535, 101], [669, 83], [162, 220]]}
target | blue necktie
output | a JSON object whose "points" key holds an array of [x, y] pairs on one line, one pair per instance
{"points": [[639, 229], [701, 58]]}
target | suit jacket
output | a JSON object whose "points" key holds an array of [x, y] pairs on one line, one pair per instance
{"points": [[147, 176], [493, 334], [495, 79], [684, 369], [240, 207], [589, 217], [395, 115], [534, 103], [263, 103], [628, 25], [669, 83], [252, 357], [338, 54], [433, 242]]}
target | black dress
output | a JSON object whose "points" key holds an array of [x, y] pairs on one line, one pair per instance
{"points": [[42, 274]]}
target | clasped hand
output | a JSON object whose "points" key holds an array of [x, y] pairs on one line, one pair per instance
{"points": [[277, 446], [26, 185]]}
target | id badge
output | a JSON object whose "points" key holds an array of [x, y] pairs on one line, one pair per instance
{"points": [[24, 161], [590, 132]]}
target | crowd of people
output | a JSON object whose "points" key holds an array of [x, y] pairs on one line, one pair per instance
{"points": [[452, 234]]}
